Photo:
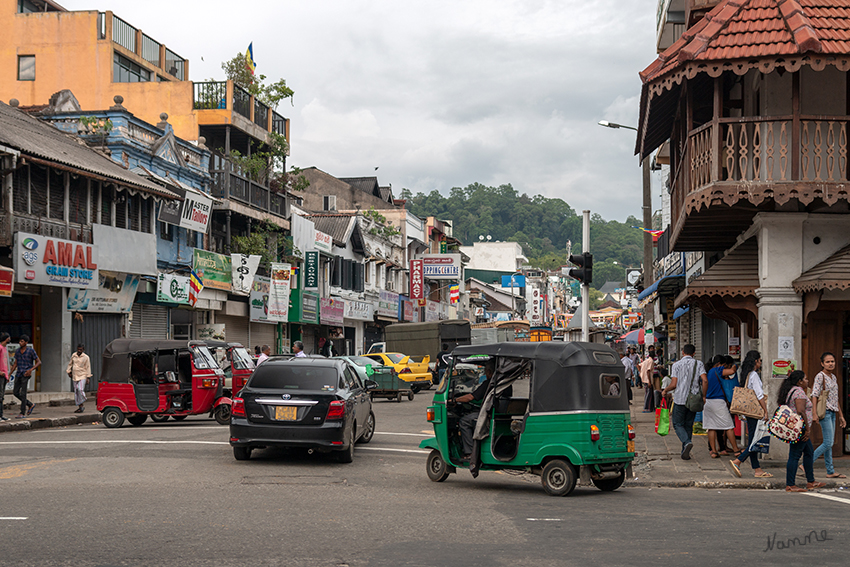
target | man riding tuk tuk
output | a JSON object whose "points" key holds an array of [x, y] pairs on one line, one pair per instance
{"points": [[555, 409], [235, 361], [162, 379]]}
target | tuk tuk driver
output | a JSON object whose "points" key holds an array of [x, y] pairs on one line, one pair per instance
{"points": [[468, 421]]}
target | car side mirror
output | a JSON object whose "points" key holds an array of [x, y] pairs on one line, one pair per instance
{"points": [[369, 370], [370, 384]]}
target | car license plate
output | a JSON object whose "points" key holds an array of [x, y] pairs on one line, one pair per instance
{"points": [[285, 413], [631, 446]]}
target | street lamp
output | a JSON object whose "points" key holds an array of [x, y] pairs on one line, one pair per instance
{"points": [[615, 125], [513, 302]]}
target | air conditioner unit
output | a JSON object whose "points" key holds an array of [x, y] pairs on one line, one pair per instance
{"points": [[389, 286]]}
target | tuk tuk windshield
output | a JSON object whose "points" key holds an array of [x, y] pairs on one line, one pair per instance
{"points": [[241, 360], [203, 358], [465, 378]]}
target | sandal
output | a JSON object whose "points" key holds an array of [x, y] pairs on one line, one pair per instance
{"points": [[714, 455], [811, 485], [724, 453], [795, 489], [836, 475], [736, 469], [763, 475]]}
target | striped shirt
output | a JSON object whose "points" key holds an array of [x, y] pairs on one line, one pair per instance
{"points": [[683, 371]]}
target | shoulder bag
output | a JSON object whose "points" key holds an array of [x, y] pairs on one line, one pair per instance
{"points": [[821, 408], [694, 402], [745, 402], [786, 424]]}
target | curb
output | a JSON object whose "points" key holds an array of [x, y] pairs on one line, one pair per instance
{"points": [[43, 423], [715, 484]]}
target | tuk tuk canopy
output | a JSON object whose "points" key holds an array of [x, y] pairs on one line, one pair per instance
{"points": [[127, 346], [124, 360]]}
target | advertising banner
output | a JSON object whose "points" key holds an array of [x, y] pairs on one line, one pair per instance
{"points": [[172, 289], [213, 332], [244, 267], [50, 261], [279, 292], [417, 282], [432, 311], [310, 308], [408, 311], [441, 266], [311, 270], [259, 300], [115, 294], [7, 282], [324, 242], [214, 269], [515, 280], [388, 304], [359, 310], [331, 311], [193, 212]]}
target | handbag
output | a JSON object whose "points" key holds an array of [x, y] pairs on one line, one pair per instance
{"points": [[786, 424], [761, 438], [728, 385], [821, 409], [662, 419], [745, 402], [694, 402]]}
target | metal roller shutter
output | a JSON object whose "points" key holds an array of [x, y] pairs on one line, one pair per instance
{"points": [[149, 322], [262, 334], [235, 328], [696, 331], [96, 331]]}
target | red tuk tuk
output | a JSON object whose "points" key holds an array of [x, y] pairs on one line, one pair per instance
{"points": [[235, 361], [162, 379]]}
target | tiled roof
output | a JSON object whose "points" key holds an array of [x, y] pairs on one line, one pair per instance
{"points": [[756, 29], [832, 273], [366, 184], [40, 141], [736, 274], [335, 224]]}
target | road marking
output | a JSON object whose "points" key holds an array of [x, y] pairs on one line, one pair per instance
{"points": [[10, 518], [545, 519], [17, 471], [408, 434], [90, 442], [828, 497], [393, 450]]}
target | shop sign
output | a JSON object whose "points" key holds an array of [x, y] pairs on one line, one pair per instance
{"points": [[50, 261], [359, 310], [114, 294], [441, 266], [671, 323], [214, 332], [172, 289], [417, 282], [331, 311], [324, 242], [694, 265], [311, 270], [258, 301], [432, 311], [279, 292], [310, 308], [388, 304], [192, 213], [215, 270], [408, 310], [244, 268], [7, 282]]}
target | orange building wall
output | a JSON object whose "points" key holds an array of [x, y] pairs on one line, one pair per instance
{"points": [[68, 55]]}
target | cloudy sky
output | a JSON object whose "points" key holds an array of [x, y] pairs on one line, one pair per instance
{"points": [[439, 94]]}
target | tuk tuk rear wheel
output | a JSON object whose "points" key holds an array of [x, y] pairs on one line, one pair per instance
{"points": [[610, 484], [558, 478], [179, 417], [436, 467], [159, 417], [222, 414], [138, 419], [113, 417]]}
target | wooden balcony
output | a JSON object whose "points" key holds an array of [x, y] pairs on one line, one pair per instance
{"points": [[228, 184], [732, 168]]}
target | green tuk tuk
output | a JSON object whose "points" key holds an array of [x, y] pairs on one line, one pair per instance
{"points": [[567, 420]]}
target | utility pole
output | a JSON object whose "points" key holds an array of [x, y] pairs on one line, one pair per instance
{"points": [[647, 224], [585, 287]]}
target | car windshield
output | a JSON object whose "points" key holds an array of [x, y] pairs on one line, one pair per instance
{"points": [[294, 377], [203, 358], [394, 358], [364, 361], [241, 359]]}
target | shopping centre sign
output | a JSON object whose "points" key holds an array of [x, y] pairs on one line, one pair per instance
{"points": [[44, 260]]}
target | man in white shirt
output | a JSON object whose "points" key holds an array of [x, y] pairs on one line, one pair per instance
{"points": [[686, 373], [298, 349], [264, 354]]}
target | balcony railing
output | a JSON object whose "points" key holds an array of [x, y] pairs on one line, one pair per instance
{"points": [[210, 95], [241, 101], [278, 124], [261, 115], [174, 65], [123, 34], [231, 185], [144, 46], [150, 50]]}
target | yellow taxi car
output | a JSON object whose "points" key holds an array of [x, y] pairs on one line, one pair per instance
{"points": [[413, 372]]}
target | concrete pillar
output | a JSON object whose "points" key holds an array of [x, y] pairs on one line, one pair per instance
{"points": [[55, 340]]}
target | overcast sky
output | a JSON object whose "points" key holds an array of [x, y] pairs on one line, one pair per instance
{"points": [[439, 94]]}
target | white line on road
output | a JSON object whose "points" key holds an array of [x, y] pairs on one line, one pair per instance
{"points": [[545, 519], [10, 518], [409, 434], [393, 450], [828, 497], [89, 442]]}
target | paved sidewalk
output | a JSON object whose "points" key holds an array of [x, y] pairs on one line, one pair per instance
{"points": [[55, 413], [658, 461]]}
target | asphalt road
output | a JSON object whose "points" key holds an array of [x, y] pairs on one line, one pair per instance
{"points": [[167, 494]]}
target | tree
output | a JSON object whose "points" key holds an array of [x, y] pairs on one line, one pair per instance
{"points": [[270, 94]]}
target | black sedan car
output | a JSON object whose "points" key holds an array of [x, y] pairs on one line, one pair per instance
{"points": [[313, 403]]}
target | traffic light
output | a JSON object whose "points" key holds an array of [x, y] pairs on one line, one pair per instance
{"points": [[584, 271]]}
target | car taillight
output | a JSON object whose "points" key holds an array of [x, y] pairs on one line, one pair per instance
{"points": [[405, 371], [631, 431], [336, 410], [237, 408], [429, 414], [594, 433]]}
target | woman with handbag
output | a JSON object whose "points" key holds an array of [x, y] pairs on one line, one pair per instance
{"points": [[793, 393], [750, 373], [825, 399], [715, 416]]}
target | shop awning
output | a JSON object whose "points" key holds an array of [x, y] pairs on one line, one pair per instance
{"points": [[832, 273], [736, 274], [680, 311], [667, 284]]}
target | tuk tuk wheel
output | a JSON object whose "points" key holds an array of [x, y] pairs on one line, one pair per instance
{"points": [[137, 419], [179, 417], [159, 417], [113, 417], [610, 484], [242, 453], [222, 414], [437, 469], [558, 478], [410, 395], [369, 430]]}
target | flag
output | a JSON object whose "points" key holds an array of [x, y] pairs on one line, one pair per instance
{"points": [[454, 293], [195, 287], [249, 58], [655, 233]]}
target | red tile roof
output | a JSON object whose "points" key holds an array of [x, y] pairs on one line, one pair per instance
{"points": [[737, 30]]}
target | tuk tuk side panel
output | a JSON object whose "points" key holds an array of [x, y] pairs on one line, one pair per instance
{"points": [[121, 396]]}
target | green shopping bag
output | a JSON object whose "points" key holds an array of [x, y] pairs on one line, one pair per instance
{"points": [[662, 419]]}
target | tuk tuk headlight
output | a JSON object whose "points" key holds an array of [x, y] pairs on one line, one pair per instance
{"points": [[430, 414]]}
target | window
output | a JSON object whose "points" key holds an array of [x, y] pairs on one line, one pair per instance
{"points": [[610, 386], [26, 67], [166, 231], [329, 202], [125, 71]]}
